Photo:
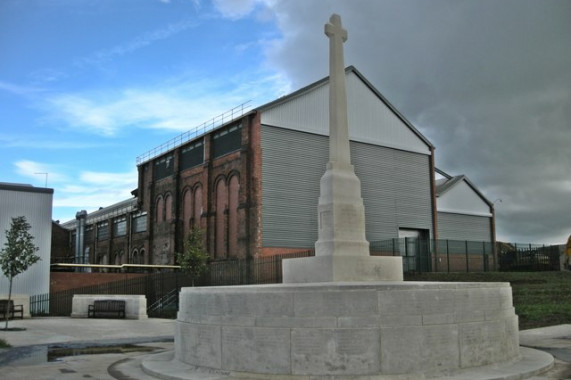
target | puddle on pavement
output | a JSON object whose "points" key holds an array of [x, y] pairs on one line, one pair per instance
{"points": [[34, 355], [56, 353]]}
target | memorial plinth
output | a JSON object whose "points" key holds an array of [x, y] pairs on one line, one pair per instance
{"points": [[346, 330]]}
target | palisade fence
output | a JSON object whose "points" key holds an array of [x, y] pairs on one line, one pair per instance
{"points": [[422, 255], [419, 255], [528, 257]]}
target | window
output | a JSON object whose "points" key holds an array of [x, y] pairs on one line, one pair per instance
{"points": [[160, 209], [88, 236], [197, 208], [139, 222], [221, 223], [102, 231], [186, 209], [192, 155], [233, 203], [164, 167], [120, 226], [168, 207], [227, 140]]}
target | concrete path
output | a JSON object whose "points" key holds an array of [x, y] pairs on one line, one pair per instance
{"points": [[27, 358]]}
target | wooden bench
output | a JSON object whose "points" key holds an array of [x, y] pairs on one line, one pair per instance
{"points": [[11, 309], [106, 309]]}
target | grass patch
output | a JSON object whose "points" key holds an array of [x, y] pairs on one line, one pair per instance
{"points": [[4, 344], [540, 298]]}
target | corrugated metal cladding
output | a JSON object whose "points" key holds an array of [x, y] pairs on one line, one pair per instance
{"points": [[395, 187], [370, 120], [464, 227], [37, 208]]}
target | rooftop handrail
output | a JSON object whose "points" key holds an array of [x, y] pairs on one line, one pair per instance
{"points": [[199, 130]]}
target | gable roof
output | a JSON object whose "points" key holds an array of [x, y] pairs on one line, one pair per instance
{"points": [[449, 182], [316, 86]]}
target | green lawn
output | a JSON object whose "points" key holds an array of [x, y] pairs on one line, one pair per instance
{"points": [[540, 298]]}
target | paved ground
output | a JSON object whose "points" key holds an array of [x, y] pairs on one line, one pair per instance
{"points": [[27, 358]]}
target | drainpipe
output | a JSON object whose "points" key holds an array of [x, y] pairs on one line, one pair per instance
{"points": [[81, 216]]}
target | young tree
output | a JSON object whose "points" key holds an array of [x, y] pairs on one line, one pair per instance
{"points": [[18, 254], [194, 258]]}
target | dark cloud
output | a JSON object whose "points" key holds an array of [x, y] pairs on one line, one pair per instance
{"points": [[488, 82]]}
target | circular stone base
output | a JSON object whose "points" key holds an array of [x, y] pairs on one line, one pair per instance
{"points": [[164, 366], [347, 329]]}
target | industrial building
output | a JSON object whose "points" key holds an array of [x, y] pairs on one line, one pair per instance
{"points": [[251, 184]]}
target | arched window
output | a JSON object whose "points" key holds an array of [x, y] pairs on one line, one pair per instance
{"points": [[221, 206], [141, 256], [168, 207], [160, 209], [233, 202], [135, 257], [197, 208], [187, 209]]}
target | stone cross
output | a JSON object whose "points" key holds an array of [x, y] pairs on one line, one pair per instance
{"points": [[338, 126], [341, 250]]}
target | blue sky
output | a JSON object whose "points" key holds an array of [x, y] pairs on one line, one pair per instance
{"points": [[88, 85]]}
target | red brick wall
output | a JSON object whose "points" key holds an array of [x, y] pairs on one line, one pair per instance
{"points": [[244, 238], [273, 251], [66, 280], [61, 249]]}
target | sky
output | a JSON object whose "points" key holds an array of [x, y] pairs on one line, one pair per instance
{"points": [[87, 86]]}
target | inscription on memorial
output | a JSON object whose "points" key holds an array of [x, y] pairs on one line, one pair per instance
{"points": [[354, 351], [262, 350]]}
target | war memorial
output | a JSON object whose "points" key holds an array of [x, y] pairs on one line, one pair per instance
{"points": [[344, 314]]}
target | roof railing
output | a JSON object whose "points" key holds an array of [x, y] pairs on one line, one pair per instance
{"points": [[200, 130]]}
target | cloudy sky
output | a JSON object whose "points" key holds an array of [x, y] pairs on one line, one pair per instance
{"points": [[88, 85]]}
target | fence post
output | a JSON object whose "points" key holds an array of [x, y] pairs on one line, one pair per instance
{"points": [[447, 255], [467, 259], [435, 249], [485, 257]]}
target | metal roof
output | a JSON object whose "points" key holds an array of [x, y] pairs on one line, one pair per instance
{"points": [[104, 213]]}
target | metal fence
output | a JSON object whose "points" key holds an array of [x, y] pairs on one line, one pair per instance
{"points": [[161, 289], [264, 270], [419, 255], [528, 257], [153, 286], [423, 255]]}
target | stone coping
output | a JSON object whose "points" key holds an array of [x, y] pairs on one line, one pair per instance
{"points": [[378, 285]]}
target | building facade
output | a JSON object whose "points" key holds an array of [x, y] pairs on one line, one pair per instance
{"points": [[36, 205], [252, 183]]}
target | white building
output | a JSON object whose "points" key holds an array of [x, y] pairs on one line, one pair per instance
{"points": [[463, 211], [36, 205]]}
